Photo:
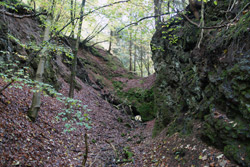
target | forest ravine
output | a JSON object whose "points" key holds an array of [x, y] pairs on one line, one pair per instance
{"points": [[121, 110]]}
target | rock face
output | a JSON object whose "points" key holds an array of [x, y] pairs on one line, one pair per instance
{"points": [[210, 83]]}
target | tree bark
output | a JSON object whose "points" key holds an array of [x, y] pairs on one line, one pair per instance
{"points": [[157, 10], [36, 100], [135, 57], [74, 64], [147, 64], [130, 51], [110, 41], [141, 54], [72, 17]]}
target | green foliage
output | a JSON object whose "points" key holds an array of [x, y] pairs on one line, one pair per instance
{"points": [[128, 154], [74, 112], [12, 72], [159, 48], [11, 4], [71, 114]]}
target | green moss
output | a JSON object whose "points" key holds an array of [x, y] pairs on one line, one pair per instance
{"points": [[50, 75], [238, 152], [142, 100], [208, 86], [95, 52], [118, 85], [157, 128], [146, 111], [237, 31]]}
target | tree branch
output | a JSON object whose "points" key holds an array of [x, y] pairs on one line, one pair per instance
{"points": [[86, 150], [215, 27], [6, 86], [98, 43], [92, 11], [94, 34], [202, 23], [144, 18], [21, 16]]}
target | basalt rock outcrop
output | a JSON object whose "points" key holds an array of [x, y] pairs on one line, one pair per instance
{"points": [[210, 83]]}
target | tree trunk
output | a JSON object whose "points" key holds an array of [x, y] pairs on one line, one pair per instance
{"points": [[36, 100], [72, 18], [157, 10], [141, 54], [74, 64], [135, 57], [139, 65], [148, 66], [110, 41], [130, 51], [141, 62], [59, 13]]}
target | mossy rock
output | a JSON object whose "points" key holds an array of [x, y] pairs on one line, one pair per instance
{"points": [[239, 152], [141, 100], [200, 83]]}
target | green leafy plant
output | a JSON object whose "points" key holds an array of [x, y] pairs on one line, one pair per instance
{"points": [[74, 113]]}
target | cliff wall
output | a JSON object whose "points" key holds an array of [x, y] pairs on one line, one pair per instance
{"points": [[210, 83]]}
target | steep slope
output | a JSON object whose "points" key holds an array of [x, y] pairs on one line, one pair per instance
{"points": [[44, 143], [109, 93], [209, 84]]}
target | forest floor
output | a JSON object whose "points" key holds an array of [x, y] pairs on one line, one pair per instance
{"points": [[114, 139]]}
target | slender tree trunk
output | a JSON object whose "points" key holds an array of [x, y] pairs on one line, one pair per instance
{"points": [[157, 10], [36, 101], [74, 64], [110, 41], [141, 62], [141, 53], [139, 65], [148, 66], [72, 18], [59, 13], [202, 23], [135, 57], [130, 51]]}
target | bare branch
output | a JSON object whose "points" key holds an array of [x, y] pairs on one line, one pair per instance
{"points": [[98, 43], [94, 34], [144, 18], [21, 16], [202, 23], [92, 11], [215, 27], [86, 150], [6, 86]]}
